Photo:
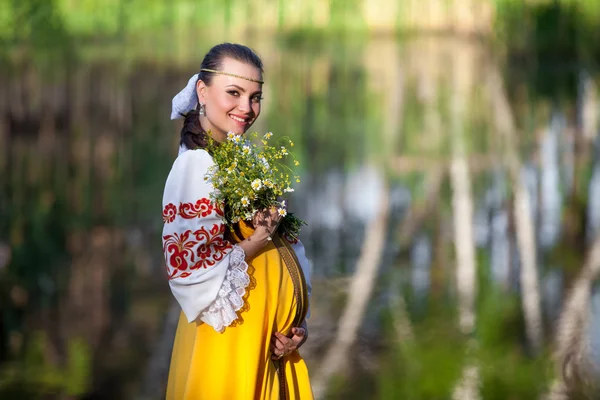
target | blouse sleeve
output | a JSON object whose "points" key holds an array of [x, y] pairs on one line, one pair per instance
{"points": [[207, 274], [300, 251]]}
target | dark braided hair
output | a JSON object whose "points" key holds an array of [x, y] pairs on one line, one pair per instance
{"points": [[193, 135]]}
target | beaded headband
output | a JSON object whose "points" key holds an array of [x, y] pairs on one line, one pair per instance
{"points": [[230, 74]]}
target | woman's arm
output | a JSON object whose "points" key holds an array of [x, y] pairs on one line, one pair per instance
{"points": [[207, 274]]}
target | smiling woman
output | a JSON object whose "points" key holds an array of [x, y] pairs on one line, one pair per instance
{"points": [[243, 295], [234, 97]]}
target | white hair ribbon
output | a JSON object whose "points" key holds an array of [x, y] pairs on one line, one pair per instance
{"points": [[185, 100]]}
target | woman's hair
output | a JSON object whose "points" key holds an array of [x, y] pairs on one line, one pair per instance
{"points": [[193, 135]]}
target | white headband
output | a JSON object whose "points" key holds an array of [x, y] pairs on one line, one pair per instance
{"points": [[185, 100]]}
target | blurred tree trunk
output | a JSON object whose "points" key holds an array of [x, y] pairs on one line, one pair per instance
{"points": [[530, 289], [157, 372], [578, 373], [384, 65], [464, 57], [587, 107], [577, 150], [462, 198], [420, 211], [359, 294], [464, 243], [85, 308]]}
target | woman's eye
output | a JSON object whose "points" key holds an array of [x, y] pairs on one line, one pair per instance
{"points": [[233, 92], [257, 99]]}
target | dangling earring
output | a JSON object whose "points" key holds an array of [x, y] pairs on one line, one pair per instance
{"points": [[202, 109]]}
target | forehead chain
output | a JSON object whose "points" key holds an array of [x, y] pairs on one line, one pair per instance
{"points": [[230, 74]]}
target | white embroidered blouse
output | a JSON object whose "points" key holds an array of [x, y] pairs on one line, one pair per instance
{"points": [[207, 274]]}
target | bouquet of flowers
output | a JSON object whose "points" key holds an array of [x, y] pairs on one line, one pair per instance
{"points": [[248, 177]]}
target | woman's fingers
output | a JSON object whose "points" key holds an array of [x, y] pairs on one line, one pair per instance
{"points": [[268, 218], [283, 340], [299, 332], [299, 336], [281, 337], [279, 345], [282, 345]]}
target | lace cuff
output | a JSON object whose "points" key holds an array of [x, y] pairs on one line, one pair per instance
{"points": [[222, 312]]}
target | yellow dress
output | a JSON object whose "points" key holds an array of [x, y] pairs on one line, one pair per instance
{"points": [[236, 364]]}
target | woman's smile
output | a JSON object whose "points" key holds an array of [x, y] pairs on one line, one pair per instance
{"points": [[241, 120]]}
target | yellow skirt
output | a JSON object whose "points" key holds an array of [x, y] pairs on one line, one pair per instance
{"points": [[236, 364]]}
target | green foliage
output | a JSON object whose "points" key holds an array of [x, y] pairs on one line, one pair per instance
{"points": [[427, 367], [430, 365], [37, 26], [550, 41], [34, 376], [507, 370]]}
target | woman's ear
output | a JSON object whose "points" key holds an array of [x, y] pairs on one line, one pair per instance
{"points": [[201, 91]]}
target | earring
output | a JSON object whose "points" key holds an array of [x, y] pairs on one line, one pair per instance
{"points": [[202, 109]]}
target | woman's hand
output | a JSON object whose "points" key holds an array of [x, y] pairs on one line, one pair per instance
{"points": [[266, 221], [282, 345], [265, 224]]}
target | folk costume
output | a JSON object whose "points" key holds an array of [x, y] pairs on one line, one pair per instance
{"points": [[230, 307]]}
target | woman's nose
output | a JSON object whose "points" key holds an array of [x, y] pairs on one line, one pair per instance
{"points": [[245, 105]]}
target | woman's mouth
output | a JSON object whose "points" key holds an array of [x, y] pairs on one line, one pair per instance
{"points": [[239, 120]]}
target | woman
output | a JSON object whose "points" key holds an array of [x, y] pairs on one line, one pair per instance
{"points": [[244, 295]]}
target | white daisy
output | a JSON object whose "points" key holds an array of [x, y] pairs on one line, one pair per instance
{"points": [[256, 184]]}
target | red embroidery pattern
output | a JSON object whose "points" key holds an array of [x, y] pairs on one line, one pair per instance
{"points": [[201, 208], [169, 213], [190, 250], [180, 249], [212, 247], [180, 255], [219, 209]]}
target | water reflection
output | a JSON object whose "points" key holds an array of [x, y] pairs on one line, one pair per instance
{"points": [[87, 153], [594, 332], [552, 292], [499, 239], [421, 257], [550, 193], [593, 207]]}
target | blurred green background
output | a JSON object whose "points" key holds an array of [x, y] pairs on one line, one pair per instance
{"points": [[452, 144]]}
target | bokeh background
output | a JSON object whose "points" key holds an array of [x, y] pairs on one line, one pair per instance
{"points": [[450, 181]]}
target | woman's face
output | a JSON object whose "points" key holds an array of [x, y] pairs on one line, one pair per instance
{"points": [[231, 104]]}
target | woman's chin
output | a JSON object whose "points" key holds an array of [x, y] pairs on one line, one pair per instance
{"points": [[244, 129], [237, 130]]}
